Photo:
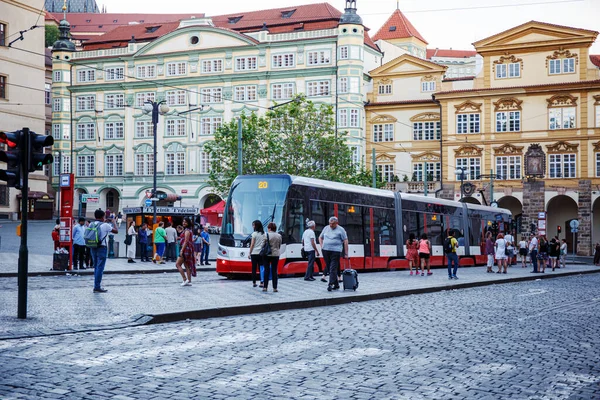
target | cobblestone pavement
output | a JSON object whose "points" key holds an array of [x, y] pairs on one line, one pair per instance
{"points": [[531, 340]]}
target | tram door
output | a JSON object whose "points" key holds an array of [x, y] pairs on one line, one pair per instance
{"points": [[370, 245], [378, 235]]}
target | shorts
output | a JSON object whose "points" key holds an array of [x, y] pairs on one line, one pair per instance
{"points": [[523, 252], [542, 256], [490, 261], [160, 249], [424, 256], [197, 247]]}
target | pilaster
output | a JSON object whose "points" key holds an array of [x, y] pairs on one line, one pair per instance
{"points": [[584, 215]]}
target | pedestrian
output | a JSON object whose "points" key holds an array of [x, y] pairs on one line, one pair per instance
{"points": [[543, 253], [425, 254], [563, 252], [119, 219], [160, 239], [272, 259], [596, 254], [510, 248], [197, 240], [104, 227], [523, 251], [451, 255], [130, 241], [79, 245], [89, 263], [256, 245], [144, 242], [309, 244], [501, 257], [334, 245], [489, 251], [205, 236], [554, 253], [412, 253], [186, 253], [171, 242], [56, 238], [533, 252]]}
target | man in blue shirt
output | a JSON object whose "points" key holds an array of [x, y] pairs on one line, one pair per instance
{"points": [[205, 246], [79, 245], [143, 237]]}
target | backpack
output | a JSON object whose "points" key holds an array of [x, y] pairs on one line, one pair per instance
{"points": [[448, 245], [92, 235]]}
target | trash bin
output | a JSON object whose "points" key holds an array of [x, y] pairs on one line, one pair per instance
{"points": [[60, 262]]}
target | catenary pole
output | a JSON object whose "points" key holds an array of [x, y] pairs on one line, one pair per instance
{"points": [[23, 251]]}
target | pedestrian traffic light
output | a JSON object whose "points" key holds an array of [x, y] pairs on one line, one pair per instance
{"points": [[37, 157], [559, 229], [12, 157]]}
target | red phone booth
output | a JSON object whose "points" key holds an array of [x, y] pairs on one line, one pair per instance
{"points": [[66, 215]]}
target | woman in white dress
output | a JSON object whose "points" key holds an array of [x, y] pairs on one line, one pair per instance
{"points": [[501, 257], [131, 247]]}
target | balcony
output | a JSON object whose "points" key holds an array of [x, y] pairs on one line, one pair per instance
{"points": [[412, 187]]}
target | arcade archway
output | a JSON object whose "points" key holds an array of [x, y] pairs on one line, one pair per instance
{"points": [[559, 212]]}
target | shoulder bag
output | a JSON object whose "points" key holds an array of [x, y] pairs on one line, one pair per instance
{"points": [[266, 249]]}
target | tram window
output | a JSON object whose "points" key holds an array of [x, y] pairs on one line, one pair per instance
{"points": [[295, 221], [453, 223], [350, 218], [434, 228], [412, 224], [385, 220], [319, 214], [476, 234]]}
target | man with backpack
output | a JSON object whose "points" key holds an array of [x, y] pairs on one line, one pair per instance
{"points": [[450, 246], [96, 240]]}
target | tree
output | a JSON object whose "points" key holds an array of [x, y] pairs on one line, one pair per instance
{"points": [[51, 35], [297, 138]]}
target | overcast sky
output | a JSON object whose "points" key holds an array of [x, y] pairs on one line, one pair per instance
{"points": [[442, 23]]}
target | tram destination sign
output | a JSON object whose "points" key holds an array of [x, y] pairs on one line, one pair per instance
{"points": [[162, 210]]}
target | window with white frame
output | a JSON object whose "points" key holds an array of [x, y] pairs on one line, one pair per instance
{"points": [[561, 117], [245, 93], [562, 165], [86, 131], [211, 95], [209, 125], [86, 165], [115, 101], [356, 52], [86, 103], [56, 105], [428, 86], [317, 88], [114, 130], [57, 76], [354, 118], [142, 97], [143, 129], [62, 162], [561, 66], [114, 73], [354, 154], [176, 98], [205, 162], [343, 85], [284, 60], [56, 131], [282, 91], [175, 127], [467, 123], [246, 63], [47, 94], [383, 132], [427, 130], [434, 171], [598, 116], [86, 75], [146, 71], [597, 165], [144, 164], [113, 165], [319, 57], [342, 118], [385, 88], [471, 166], [512, 70], [508, 121], [212, 66], [386, 171], [176, 68], [508, 167], [175, 164], [343, 52]]}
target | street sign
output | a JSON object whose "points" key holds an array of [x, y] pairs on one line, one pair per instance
{"points": [[574, 230], [148, 202], [90, 198], [574, 224], [542, 215]]}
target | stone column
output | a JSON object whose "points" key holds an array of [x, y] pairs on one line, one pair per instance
{"points": [[584, 236], [533, 202]]}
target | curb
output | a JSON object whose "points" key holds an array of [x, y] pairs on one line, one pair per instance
{"points": [[90, 271], [294, 305]]}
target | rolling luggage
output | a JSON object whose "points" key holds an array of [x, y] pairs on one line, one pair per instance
{"points": [[350, 279]]}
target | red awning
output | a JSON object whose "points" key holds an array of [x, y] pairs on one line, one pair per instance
{"points": [[214, 209]]}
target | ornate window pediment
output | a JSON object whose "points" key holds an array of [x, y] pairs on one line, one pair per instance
{"points": [[468, 150], [385, 158], [507, 59], [428, 116], [425, 157], [508, 149], [428, 78], [596, 146], [508, 103], [384, 81], [562, 100], [562, 54], [562, 147], [382, 119], [468, 106]]}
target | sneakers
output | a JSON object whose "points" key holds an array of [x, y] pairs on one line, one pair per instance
{"points": [[323, 280], [131, 261], [422, 273], [429, 273], [454, 277], [100, 290], [310, 279], [186, 283], [411, 272]]}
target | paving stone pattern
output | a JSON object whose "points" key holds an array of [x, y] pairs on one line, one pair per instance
{"points": [[531, 340]]}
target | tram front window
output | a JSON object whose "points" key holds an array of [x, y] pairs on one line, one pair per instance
{"points": [[250, 199]]}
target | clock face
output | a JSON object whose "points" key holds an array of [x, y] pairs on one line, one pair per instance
{"points": [[65, 180]]}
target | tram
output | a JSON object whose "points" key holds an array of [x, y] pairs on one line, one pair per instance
{"points": [[378, 222]]}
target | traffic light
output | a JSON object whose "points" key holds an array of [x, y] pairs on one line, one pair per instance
{"points": [[559, 229], [12, 157], [37, 158]]}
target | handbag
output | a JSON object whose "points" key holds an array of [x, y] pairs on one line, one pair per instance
{"points": [[128, 240], [266, 249]]}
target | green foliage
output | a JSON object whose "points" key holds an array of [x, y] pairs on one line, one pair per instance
{"points": [[297, 138], [51, 35]]}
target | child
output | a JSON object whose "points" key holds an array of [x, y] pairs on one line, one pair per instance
{"points": [[56, 238]]}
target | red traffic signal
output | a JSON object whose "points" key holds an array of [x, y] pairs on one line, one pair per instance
{"points": [[559, 229], [11, 139], [12, 157]]}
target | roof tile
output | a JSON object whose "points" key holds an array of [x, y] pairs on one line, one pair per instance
{"points": [[398, 27]]}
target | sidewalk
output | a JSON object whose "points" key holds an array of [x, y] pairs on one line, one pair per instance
{"points": [[66, 304]]}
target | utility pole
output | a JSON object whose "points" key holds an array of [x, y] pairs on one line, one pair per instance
{"points": [[491, 186], [240, 146], [425, 192], [374, 163], [23, 250]]}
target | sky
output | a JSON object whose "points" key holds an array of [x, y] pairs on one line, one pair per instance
{"points": [[444, 24]]}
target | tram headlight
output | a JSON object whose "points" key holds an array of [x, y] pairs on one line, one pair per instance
{"points": [[222, 251]]}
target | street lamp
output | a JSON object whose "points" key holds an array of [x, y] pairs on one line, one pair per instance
{"points": [[155, 108], [460, 174]]}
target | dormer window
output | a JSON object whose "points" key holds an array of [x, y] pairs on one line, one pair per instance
{"points": [[508, 67], [392, 29], [151, 29], [88, 20], [234, 20], [561, 62], [287, 14]]}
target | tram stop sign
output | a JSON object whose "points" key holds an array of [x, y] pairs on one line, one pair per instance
{"points": [[574, 224], [148, 202]]}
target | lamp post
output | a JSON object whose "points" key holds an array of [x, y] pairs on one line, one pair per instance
{"points": [[460, 174], [58, 155], [155, 108]]}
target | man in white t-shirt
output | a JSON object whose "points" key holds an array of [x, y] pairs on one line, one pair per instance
{"points": [[533, 251], [309, 243], [100, 253]]}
